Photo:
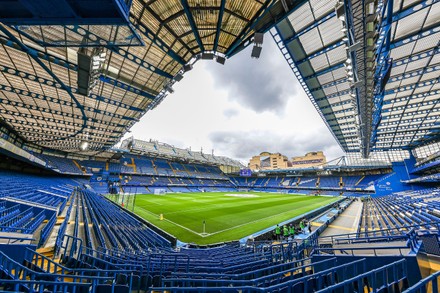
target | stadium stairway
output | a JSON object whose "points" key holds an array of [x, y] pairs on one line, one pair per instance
{"points": [[347, 221]]}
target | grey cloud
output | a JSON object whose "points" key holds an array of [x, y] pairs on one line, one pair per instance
{"points": [[244, 145], [263, 84], [230, 112]]}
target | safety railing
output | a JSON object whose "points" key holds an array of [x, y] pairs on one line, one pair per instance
{"points": [[269, 277], [254, 272], [386, 233], [45, 232], [16, 271], [402, 250], [428, 284], [306, 283], [374, 281], [15, 240], [47, 265], [44, 286]]}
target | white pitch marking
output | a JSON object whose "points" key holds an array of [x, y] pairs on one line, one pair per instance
{"points": [[255, 221], [183, 227]]}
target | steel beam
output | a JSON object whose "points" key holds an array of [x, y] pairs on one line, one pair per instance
{"points": [[317, 23], [330, 84], [337, 94], [325, 70], [31, 77], [219, 23], [238, 44], [126, 87], [153, 37], [139, 61], [34, 55], [56, 101], [413, 86], [418, 95], [42, 55], [417, 6], [322, 51], [415, 36], [53, 112], [192, 23]]}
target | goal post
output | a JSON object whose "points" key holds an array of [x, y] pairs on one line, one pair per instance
{"points": [[160, 191]]}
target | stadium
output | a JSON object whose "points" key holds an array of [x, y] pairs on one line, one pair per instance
{"points": [[85, 207]]}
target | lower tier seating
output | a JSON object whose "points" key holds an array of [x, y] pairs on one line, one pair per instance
{"points": [[100, 247]]}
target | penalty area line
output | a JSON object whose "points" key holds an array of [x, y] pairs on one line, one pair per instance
{"points": [[251, 222], [183, 227]]}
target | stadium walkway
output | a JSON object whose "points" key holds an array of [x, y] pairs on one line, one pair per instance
{"points": [[347, 222]]}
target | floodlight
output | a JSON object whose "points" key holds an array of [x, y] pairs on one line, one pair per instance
{"points": [[187, 67], [207, 56], [258, 38], [340, 11], [370, 8], [169, 88], [221, 60], [256, 52], [178, 77], [84, 145]]}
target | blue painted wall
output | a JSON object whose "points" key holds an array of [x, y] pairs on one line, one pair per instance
{"points": [[392, 182]]}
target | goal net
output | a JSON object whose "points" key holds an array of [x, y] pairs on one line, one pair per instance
{"points": [[160, 191]]}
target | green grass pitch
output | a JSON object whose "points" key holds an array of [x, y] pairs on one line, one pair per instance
{"points": [[227, 217]]}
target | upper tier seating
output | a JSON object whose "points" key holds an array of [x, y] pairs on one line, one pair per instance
{"points": [[64, 165]]}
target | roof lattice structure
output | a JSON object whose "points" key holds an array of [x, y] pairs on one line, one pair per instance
{"points": [[400, 107], [40, 72]]}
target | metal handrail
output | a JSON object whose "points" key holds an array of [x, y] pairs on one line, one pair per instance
{"points": [[374, 280], [421, 285]]}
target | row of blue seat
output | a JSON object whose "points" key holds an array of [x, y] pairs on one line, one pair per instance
{"points": [[400, 210]]}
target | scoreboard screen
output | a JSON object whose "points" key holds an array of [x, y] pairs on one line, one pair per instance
{"points": [[245, 172]]}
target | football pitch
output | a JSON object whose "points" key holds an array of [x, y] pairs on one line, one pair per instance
{"points": [[227, 215]]}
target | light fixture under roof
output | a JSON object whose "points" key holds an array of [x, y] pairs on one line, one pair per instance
{"points": [[340, 11], [178, 77], [84, 145]]}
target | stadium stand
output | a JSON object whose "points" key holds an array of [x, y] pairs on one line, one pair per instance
{"points": [[64, 165], [81, 239], [132, 257]]}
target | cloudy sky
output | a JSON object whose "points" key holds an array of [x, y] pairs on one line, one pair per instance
{"points": [[239, 110]]}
